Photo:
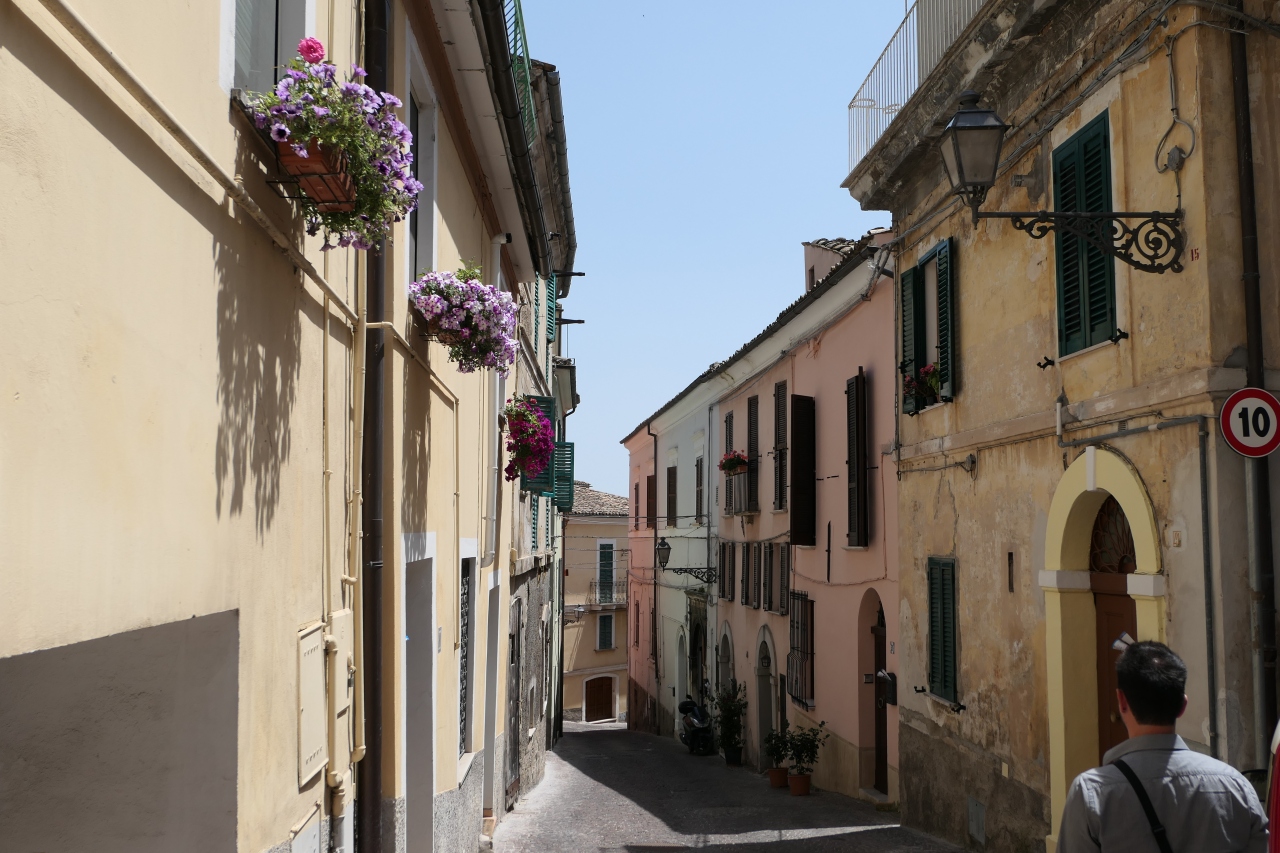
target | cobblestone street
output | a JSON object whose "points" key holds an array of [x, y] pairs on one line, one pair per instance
{"points": [[608, 790]]}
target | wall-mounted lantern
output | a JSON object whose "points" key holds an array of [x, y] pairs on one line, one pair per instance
{"points": [[706, 574], [971, 146]]}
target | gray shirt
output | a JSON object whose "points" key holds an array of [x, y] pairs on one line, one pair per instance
{"points": [[1206, 806]]}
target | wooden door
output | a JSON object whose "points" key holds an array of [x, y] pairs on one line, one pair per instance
{"points": [[1116, 614], [878, 632], [599, 699]]}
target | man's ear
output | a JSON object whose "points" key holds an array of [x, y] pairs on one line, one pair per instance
{"points": [[1184, 705], [1124, 702]]}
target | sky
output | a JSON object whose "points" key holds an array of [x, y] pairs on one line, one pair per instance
{"points": [[707, 140]]}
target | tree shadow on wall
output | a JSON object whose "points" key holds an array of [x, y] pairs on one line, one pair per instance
{"points": [[260, 307]]}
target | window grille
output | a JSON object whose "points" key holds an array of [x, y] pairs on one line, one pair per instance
{"points": [[800, 658]]}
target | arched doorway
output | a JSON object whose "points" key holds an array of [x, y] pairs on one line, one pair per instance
{"points": [[1111, 560], [873, 711], [724, 662], [597, 699], [765, 722], [1078, 618]]}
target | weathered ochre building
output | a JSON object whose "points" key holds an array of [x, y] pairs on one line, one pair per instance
{"points": [[260, 551], [1067, 481]]}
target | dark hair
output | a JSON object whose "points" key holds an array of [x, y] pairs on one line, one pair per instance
{"points": [[1154, 680]]}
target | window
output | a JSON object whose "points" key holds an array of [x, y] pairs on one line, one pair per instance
{"points": [[780, 446], [942, 628], [698, 476], [636, 504], [422, 123], [604, 572], [929, 323], [804, 471], [767, 576], [604, 631], [636, 628], [1086, 276], [651, 501], [800, 658], [753, 454], [673, 516], [267, 36], [856, 420]]}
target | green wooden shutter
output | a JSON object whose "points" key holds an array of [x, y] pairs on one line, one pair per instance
{"points": [[1086, 276], [947, 322], [912, 332], [564, 475], [856, 431], [804, 471], [943, 659], [552, 308], [545, 482]]}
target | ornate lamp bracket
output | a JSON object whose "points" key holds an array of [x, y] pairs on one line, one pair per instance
{"points": [[1153, 242], [705, 574]]}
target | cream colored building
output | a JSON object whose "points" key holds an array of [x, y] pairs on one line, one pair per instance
{"points": [[261, 557], [598, 619]]}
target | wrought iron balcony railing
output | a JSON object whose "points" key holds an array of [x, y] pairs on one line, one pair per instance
{"points": [[925, 34], [607, 593]]}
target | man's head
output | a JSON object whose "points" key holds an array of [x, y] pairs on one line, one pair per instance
{"points": [[1152, 681]]}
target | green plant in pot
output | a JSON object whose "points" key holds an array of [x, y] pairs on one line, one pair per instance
{"points": [[777, 747], [805, 742], [730, 706]]}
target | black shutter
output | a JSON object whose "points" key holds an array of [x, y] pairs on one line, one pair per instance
{"points": [[856, 421], [780, 446], [804, 471], [753, 454], [767, 576], [784, 576], [651, 500], [943, 660], [947, 322], [637, 504], [698, 465], [728, 432], [731, 570], [720, 572], [673, 517], [755, 576], [746, 574], [1086, 276], [913, 355]]}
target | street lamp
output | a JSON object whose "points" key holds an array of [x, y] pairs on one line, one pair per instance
{"points": [[664, 552], [971, 145], [971, 150]]}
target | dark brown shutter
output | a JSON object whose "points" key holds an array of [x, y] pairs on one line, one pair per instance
{"points": [[673, 516], [651, 500], [780, 446], [753, 454], [856, 424], [731, 570], [804, 471], [767, 572], [698, 465], [755, 576], [636, 504], [784, 576], [728, 432], [746, 574]]}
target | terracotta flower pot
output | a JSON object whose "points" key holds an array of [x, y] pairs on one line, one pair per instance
{"points": [[777, 777], [322, 174], [799, 785]]}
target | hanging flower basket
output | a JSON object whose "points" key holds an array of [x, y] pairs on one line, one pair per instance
{"points": [[475, 321], [733, 462], [322, 174], [343, 142], [530, 438]]}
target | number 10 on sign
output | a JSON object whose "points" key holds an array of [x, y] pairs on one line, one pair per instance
{"points": [[1251, 423]]}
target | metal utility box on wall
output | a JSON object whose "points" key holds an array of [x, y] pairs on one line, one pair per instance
{"points": [[311, 703]]}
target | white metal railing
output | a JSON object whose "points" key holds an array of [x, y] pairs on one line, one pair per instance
{"points": [[928, 30]]}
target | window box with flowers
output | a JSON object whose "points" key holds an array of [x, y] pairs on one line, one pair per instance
{"points": [[530, 438], [924, 386], [476, 321], [344, 145], [733, 462]]}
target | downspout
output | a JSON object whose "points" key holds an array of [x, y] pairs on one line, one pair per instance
{"points": [[1257, 474], [369, 796], [497, 391], [504, 86], [562, 167]]}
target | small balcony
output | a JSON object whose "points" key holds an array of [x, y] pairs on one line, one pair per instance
{"points": [[922, 39], [601, 594]]}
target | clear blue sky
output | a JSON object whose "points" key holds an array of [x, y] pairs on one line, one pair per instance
{"points": [[707, 140]]}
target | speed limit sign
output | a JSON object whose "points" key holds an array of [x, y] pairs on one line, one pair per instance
{"points": [[1250, 422]]}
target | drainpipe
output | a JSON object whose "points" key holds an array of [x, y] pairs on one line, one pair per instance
{"points": [[369, 790], [1257, 474], [497, 387]]}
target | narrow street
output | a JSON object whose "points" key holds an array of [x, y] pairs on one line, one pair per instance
{"points": [[608, 790]]}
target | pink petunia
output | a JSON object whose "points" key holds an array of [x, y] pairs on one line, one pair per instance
{"points": [[311, 50]]}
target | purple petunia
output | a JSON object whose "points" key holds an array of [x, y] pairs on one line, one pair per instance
{"points": [[279, 132]]}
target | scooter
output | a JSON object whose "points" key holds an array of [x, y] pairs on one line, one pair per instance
{"points": [[695, 727]]}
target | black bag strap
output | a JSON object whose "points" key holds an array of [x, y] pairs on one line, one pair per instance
{"points": [[1157, 829]]}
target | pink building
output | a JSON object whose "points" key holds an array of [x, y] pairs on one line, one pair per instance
{"points": [[806, 602]]}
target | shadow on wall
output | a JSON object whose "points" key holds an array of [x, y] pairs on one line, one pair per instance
{"points": [[123, 743], [260, 307], [415, 447]]}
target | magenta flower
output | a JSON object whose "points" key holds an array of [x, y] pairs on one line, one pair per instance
{"points": [[311, 49]]}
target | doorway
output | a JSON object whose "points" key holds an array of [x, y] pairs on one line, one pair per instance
{"points": [[696, 668], [682, 670], [598, 699], [881, 774], [764, 701], [1111, 560], [513, 703]]}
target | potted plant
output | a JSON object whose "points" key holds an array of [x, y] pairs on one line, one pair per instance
{"points": [[926, 384], [475, 320], [777, 746], [730, 706], [530, 438], [804, 745], [733, 461], [344, 144]]}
